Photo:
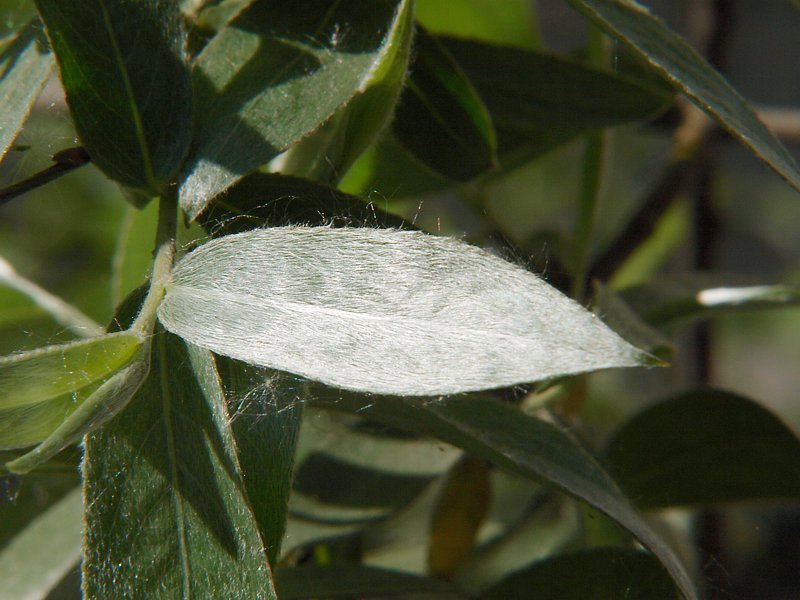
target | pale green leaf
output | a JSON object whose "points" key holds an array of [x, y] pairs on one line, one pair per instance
{"points": [[166, 512], [25, 65], [104, 403], [275, 74], [44, 552], [689, 73], [385, 311], [127, 80], [31, 377]]}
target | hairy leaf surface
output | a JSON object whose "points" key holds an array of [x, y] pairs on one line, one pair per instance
{"points": [[168, 465], [385, 311]]}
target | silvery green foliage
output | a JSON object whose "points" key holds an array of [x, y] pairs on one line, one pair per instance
{"points": [[383, 311]]}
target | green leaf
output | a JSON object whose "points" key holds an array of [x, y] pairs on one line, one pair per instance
{"points": [[25, 65], [385, 311], [44, 552], [36, 376], [271, 77], [266, 412], [690, 74], [126, 76], [507, 22], [728, 448], [520, 443], [166, 512], [269, 200], [133, 253], [103, 404], [539, 101], [327, 154], [349, 581], [441, 119], [599, 574]]}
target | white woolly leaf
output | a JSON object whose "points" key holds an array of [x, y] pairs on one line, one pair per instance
{"points": [[383, 311]]}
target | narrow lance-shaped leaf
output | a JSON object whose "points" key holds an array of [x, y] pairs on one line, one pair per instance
{"points": [[25, 65], [520, 443], [168, 465], [689, 73], [271, 77], [127, 81], [385, 311]]}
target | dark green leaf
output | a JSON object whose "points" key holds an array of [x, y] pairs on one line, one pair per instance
{"points": [[522, 444], [440, 118], [265, 409], [599, 574], [165, 503], [689, 73], [273, 76], [702, 447], [328, 153], [124, 69], [25, 65], [44, 552], [269, 200], [540, 101], [345, 581]]}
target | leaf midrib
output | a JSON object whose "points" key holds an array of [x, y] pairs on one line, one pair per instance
{"points": [[135, 115]]}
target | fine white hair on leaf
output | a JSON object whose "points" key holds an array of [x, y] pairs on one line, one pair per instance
{"points": [[383, 311]]}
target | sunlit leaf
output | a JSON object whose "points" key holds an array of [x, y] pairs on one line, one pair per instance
{"points": [[385, 311], [328, 153], [44, 552], [271, 77], [25, 65], [124, 70], [729, 448], [689, 73], [168, 465], [31, 377]]}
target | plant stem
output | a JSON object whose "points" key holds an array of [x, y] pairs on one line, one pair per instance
{"points": [[65, 161], [164, 255]]}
